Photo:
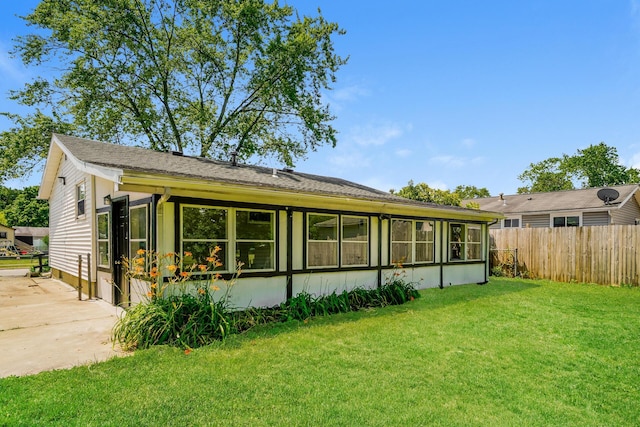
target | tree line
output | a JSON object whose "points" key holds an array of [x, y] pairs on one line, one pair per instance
{"points": [[21, 208]]}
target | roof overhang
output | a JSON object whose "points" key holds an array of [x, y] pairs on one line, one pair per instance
{"points": [[57, 151], [188, 187]]}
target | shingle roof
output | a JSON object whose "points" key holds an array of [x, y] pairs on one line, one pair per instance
{"points": [[137, 159], [582, 199]]}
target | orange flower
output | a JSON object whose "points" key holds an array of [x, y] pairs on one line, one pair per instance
{"points": [[184, 274], [169, 254], [202, 267], [154, 285], [218, 263], [187, 253], [153, 273], [149, 294], [187, 351], [211, 259], [215, 288], [140, 251], [139, 269], [172, 267], [201, 291], [217, 249], [140, 261], [218, 276]]}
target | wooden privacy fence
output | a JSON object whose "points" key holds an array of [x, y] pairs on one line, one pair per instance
{"points": [[607, 255]]}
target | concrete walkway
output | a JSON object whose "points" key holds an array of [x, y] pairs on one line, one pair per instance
{"points": [[43, 326]]}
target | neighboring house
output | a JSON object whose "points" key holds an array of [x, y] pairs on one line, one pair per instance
{"points": [[7, 236], [294, 232], [571, 208], [33, 236]]}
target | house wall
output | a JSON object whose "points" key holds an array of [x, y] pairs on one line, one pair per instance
{"points": [[70, 235], [536, 221], [627, 214], [10, 236], [595, 218]]}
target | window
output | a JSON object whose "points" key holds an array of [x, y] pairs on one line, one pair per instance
{"points": [[512, 223], [412, 241], [80, 199], [566, 221], [137, 229], [322, 240], [255, 243], [204, 228], [465, 242], [103, 240], [247, 234], [3, 234], [355, 241]]}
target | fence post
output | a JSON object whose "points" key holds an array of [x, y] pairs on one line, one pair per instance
{"points": [[79, 277], [89, 275]]}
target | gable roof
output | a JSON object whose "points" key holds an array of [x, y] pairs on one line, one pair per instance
{"points": [[114, 162], [585, 199]]}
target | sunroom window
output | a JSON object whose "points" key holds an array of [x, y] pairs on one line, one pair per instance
{"points": [[355, 241], [412, 241], [465, 242], [204, 229], [255, 243], [322, 240]]}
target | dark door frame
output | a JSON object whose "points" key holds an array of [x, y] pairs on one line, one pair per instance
{"points": [[120, 249]]}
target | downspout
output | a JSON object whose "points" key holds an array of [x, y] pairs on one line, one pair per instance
{"points": [[441, 285], [289, 253], [379, 250]]}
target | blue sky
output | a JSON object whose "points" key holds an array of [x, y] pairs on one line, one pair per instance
{"points": [[458, 92]]}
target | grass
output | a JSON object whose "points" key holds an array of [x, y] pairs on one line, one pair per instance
{"points": [[25, 261], [511, 352]]}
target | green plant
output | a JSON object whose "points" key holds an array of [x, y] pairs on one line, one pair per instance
{"points": [[181, 307]]}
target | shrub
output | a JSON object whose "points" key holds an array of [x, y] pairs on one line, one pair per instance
{"points": [[183, 310]]}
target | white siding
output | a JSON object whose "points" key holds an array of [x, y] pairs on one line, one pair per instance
{"points": [[535, 221], [595, 218], [69, 235], [626, 215]]}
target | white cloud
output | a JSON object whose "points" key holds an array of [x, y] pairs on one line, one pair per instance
{"points": [[469, 142], [349, 93], [403, 152], [438, 185], [376, 135], [11, 68]]}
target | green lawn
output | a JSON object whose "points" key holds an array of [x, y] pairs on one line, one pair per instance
{"points": [[25, 261], [508, 353]]}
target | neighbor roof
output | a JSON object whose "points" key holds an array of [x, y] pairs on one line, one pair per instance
{"points": [[117, 160], [585, 199]]}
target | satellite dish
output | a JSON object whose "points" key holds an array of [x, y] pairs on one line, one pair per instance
{"points": [[608, 195]]}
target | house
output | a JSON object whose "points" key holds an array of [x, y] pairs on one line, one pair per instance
{"points": [[32, 237], [293, 231], [7, 236], [572, 208]]}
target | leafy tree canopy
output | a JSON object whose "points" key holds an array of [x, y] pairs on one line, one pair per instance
{"points": [[424, 193], [24, 209], [595, 166], [207, 77]]}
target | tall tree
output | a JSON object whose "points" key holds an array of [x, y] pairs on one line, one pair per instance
{"points": [[595, 166], [27, 210], [208, 77], [471, 192], [424, 193]]}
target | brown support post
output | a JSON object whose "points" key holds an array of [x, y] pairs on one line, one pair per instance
{"points": [[89, 275], [79, 277]]}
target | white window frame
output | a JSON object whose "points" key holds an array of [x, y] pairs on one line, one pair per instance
{"points": [[413, 243], [565, 216], [365, 242], [81, 199], [231, 241], [145, 239], [464, 244], [504, 223], [103, 240], [335, 241]]}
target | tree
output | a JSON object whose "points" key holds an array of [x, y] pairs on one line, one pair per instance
{"points": [[547, 175], [471, 192], [27, 210], [595, 166], [425, 193], [208, 77]]}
